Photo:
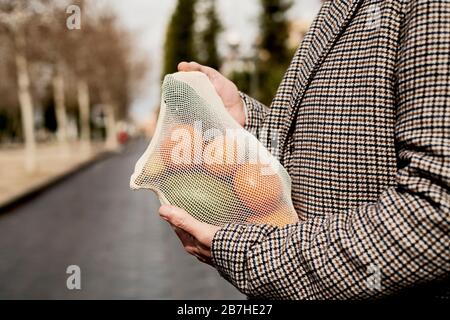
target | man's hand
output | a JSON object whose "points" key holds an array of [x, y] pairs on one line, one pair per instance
{"points": [[225, 88], [196, 236]]}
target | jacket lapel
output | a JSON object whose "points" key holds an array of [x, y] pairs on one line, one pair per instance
{"points": [[333, 19]]}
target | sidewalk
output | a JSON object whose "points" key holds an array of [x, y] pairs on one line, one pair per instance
{"points": [[52, 163]]}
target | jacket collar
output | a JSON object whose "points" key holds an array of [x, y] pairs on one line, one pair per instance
{"points": [[332, 21]]}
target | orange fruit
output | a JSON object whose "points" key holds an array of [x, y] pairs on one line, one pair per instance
{"points": [[281, 216], [220, 156], [257, 189], [181, 147]]}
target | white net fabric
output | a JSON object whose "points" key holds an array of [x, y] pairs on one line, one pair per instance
{"points": [[200, 159]]}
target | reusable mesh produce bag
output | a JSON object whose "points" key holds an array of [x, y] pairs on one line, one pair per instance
{"points": [[200, 159]]}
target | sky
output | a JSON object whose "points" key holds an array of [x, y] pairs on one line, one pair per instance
{"points": [[148, 19]]}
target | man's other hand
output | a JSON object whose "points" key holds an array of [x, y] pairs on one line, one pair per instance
{"points": [[225, 88]]}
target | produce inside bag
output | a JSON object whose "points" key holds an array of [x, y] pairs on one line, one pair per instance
{"points": [[200, 159]]}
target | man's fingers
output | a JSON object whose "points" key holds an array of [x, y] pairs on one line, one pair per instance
{"points": [[190, 66], [210, 72], [188, 242], [201, 259], [185, 238], [181, 219], [194, 66], [185, 66]]}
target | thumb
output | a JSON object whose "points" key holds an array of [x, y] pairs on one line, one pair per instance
{"points": [[181, 219]]}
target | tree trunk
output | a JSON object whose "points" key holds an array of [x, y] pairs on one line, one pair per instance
{"points": [[60, 106], [83, 105], [26, 108], [111, 139]]}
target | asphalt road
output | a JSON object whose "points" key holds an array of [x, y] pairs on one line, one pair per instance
{"points": [[93, 220]]}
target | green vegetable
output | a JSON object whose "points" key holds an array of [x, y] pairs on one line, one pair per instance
{"points": [[201, 195]]}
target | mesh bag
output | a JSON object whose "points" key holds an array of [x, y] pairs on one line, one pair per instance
{"points": [[200, 159]]}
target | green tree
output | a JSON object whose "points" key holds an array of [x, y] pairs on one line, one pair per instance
{"points": [[179, 43], [207, 44], [274, 55]]}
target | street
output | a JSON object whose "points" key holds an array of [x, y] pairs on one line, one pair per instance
{"points": [[115, 236]]}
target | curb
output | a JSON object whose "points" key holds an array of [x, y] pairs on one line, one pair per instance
{"points": [[38, 189]]}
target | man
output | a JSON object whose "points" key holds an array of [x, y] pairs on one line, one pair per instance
{"points": [[363, 119]]}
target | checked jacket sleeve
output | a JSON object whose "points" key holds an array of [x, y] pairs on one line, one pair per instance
{"points": [[378, 248], [255, 113]]}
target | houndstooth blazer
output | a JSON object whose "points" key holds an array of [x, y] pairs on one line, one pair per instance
{"points": [[363, 123]]}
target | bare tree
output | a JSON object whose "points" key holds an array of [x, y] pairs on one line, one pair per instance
{"points": [[51, 47], [80, 63], [15, 18], [75, 50], [98, 63], [119, 70], [56, 47], [9, 104]]}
